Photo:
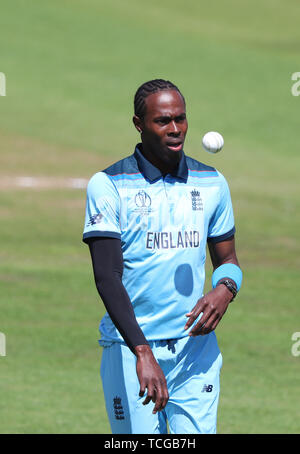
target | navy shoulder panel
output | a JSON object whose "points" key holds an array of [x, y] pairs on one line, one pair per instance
{"points": [[197, 165], [127, 165]]}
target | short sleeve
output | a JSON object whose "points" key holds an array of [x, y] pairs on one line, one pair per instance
{"points": [[102, 208], [221, 224]]}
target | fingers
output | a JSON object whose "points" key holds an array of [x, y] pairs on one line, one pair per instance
{"points": [[205, 326], [142, 390], [193, 315], [210, 308], [208, 322], [158, 394], [152, 378], [161, 399]]}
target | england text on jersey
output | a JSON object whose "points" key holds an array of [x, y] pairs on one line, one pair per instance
{"points": [[171, 240]]}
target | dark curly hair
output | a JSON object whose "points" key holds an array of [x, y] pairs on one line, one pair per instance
{"points": [[146, 89]]}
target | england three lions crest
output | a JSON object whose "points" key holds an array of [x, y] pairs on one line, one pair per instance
{"points": [[197, 204]]}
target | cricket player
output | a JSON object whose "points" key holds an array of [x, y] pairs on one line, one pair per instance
{"points": [[148, 220]]}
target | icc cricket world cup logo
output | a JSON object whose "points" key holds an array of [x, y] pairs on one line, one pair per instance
{"points": [[142, 199], [143, 203]]}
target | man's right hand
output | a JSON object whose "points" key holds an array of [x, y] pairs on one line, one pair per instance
{"points": [[151, 376]]}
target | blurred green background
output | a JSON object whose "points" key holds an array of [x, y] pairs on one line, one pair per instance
{"points": [[72, 68]]}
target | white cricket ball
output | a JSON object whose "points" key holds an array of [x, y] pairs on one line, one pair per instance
{"points": [[212, 142]]}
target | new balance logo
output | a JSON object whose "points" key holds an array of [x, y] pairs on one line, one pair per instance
{"points": [[95, 219], [207, 389], [118, 408]]}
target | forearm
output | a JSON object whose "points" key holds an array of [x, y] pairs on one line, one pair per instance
{"points": [[108, 266], [225, 264], [120, 310]]}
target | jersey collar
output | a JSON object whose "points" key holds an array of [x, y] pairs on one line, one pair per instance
{"points": [[152, 173]]}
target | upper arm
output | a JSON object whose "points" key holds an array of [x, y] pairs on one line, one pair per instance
{"points": [[102, 214], [221, 243], [223, 252], [107, 258], [221, 224]]}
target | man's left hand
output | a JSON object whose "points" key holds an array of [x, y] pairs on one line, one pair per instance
{"points": [[213, 305]]}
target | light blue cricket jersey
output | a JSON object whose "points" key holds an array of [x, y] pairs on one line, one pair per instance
{"points": [[164, 224]]}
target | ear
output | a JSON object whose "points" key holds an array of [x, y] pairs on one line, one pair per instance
{"points": [[138, 123]]}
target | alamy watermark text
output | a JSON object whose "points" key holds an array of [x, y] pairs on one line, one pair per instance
{"points": [[295, 350], [2, 344], [2, 84], [296, 86]]}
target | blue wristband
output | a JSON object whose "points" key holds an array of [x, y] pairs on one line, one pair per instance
{"points": [[229, 270]]}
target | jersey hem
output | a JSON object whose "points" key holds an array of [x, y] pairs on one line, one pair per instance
{"points": [[108, 342]]}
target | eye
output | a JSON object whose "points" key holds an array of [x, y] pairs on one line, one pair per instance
{"points": [[163, 121]]}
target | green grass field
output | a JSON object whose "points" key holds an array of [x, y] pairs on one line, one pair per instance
{"points": [[72, 68]]}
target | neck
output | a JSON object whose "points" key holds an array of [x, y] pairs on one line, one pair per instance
{"points": [[164, 166]]}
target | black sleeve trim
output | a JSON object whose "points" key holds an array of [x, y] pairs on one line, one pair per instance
{"points": [[225, 236], [98, 234]]}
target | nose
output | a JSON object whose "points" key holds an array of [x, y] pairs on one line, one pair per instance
{"points": [[174, 130]]}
